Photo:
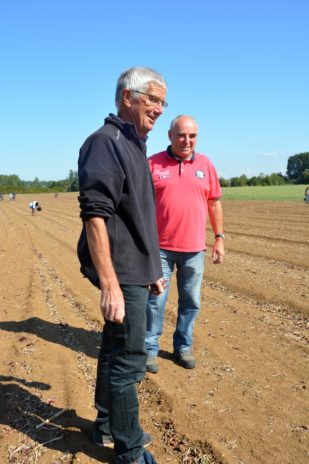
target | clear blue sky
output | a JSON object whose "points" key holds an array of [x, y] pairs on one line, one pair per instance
{"points": [[240, 67]]}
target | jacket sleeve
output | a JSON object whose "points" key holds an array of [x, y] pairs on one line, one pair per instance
{"points": [[101, 177]]}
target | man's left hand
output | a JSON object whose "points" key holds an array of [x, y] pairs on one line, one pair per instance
{"points": [[218, 251], [158, 287]]}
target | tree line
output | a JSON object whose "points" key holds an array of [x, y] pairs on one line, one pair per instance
{"points": [[297, 173], [12, 183]]}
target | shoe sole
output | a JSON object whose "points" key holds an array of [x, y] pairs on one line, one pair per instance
{"points": [[111, 444]]}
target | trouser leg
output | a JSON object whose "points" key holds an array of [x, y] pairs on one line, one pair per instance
{"points": [[124, 359], [102, 387], [190, 268], [156, 307]]}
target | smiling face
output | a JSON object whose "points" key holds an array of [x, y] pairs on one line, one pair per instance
{"points": [[141, 109], [183, 137]]}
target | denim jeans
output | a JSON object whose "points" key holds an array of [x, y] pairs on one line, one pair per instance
{"points": [[189, 275], [121, 364]]}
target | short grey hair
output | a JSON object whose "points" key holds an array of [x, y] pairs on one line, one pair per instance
{"points": [[173, 123], [137, 78]]}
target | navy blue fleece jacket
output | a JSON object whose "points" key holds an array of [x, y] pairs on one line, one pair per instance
{"points": [[116, 184]]}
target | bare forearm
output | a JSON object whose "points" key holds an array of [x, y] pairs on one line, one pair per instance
{"points": [[98, 243], [216, 219], [215, 212], [112, 301]]}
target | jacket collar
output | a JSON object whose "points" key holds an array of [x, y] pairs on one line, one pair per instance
{"points": [[127, 128]]}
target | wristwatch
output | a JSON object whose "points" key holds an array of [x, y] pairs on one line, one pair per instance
{"points": [[219, 236]]}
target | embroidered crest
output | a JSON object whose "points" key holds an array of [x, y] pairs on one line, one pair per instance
{"points": [[200, 174]]}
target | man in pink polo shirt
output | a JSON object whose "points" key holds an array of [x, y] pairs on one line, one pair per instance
{"points": [[187, 191]]}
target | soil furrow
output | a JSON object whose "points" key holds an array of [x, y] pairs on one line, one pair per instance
{"points": [[247, 399]]}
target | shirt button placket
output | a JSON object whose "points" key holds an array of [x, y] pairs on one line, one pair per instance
{"points": [[181, 169]]}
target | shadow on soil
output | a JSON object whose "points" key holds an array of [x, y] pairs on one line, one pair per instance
{"points": [[74, 338], [166, 355], [23, 411]]}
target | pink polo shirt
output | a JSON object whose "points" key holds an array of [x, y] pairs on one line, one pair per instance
{"points": [[182, 191]]}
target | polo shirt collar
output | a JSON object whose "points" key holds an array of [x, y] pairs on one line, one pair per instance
{"points": [[172, 155]]}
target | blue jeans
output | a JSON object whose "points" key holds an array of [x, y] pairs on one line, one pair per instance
{"points": [[121, 364], [189, 275]]}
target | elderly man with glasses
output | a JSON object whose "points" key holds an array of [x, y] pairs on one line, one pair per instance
{"points": [[119, 253]]}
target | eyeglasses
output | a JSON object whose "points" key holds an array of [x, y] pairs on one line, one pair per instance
{"points": [[152, 100]]}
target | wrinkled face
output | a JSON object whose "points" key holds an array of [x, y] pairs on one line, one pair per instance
{"points": [[183, 137], [144, 109]]}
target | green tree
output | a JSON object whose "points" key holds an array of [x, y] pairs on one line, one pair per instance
{"points": [[224, 182], [10, 183], [297, 164], [304, 179], [266, 180], [73, 182], [239, 181], [276, 179], [255, 180]]}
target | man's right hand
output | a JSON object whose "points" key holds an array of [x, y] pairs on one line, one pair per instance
{"points": [[112, 301], [112, 304]]}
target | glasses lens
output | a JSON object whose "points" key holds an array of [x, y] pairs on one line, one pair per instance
{"points": [[153, 100]]}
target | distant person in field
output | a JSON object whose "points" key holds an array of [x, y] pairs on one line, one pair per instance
{"points": [[34, 206], [306, 195], [119, 253], [187, 192]]}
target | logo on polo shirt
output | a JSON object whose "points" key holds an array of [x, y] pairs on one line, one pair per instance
{"points": [[200, 174], [164, 174]]}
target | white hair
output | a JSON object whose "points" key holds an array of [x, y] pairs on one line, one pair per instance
{"points": [[137, 78]]}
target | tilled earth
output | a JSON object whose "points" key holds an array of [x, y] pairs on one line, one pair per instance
{"points": [[245, 403]]}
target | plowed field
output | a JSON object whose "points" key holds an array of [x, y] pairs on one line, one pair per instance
{"points": [[245, 403]]}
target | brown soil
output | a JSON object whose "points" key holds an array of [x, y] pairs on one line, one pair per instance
{"points": [[245, 403]]}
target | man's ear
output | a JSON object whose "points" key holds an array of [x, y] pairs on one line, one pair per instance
{"points": [[170, 135], [127, 98]]}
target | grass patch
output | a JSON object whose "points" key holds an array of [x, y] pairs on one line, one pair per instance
{"points": [[265, 193]]}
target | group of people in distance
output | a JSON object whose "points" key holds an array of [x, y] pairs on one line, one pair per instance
{"points": [[141, 219], [33, 205], [12, 196]]}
